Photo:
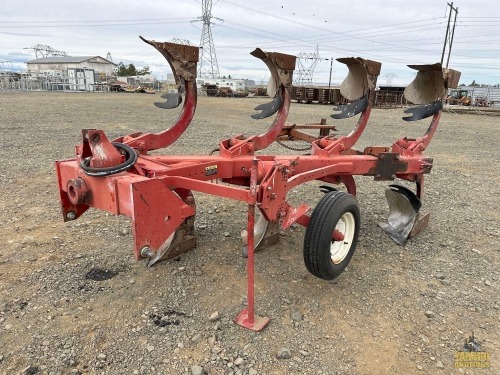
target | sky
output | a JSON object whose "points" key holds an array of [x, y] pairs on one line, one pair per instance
{"points": [[393, 32]]}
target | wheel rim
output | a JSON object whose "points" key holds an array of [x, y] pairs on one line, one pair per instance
{"points": [[339, 249]]}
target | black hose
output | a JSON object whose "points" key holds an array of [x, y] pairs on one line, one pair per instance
{"points": [[131, 159]]}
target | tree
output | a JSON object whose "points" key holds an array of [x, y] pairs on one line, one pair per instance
{"points": [[144, 71], [130, 70], [122, 70]]}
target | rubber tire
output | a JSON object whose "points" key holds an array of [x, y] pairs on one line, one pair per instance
{"points": [[318, 237]]}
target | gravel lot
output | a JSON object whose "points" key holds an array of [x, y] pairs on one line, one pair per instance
{"points": [[396, 310]]}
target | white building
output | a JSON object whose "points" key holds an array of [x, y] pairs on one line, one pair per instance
{"points": [[59, 63], [236, 85], [146, 80], [74, 73]]}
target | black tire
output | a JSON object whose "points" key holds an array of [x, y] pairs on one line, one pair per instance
{"points": [[333, 208]]}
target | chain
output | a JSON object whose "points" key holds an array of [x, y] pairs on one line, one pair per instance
{"points": [[293, 148]]}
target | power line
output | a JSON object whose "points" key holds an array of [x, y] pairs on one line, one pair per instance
{"points": [[284, 40], [345, 34], [159, 22]]}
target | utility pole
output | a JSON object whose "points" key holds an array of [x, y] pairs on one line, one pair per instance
{"points": [[330, 79], [449, 34]]}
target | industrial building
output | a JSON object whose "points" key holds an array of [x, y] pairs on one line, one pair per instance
{"points": [[63, 63], [73, 73]]}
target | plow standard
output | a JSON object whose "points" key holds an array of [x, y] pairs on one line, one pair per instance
{"points": [[156, 192]]}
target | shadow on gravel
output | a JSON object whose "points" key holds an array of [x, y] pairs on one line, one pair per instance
{"points": [[97, 274]]}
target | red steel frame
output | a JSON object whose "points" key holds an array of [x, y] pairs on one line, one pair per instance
{"points": [[156, 191]]}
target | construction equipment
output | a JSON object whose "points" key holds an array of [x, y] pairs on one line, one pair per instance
{"points": [[458, 97], [481, 101], [156, 192]]}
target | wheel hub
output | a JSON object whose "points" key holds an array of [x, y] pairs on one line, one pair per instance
{"points": [[339, 249]]}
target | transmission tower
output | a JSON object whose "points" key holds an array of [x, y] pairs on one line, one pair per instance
{"points": [[207, 65], [389, 77], [46, 51], [108, 57], [181, 41], [6, 66], [307, 63]]}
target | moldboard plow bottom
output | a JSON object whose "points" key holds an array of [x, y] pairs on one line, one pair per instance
{"points": [[122, 177]]}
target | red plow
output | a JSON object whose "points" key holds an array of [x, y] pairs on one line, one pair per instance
{"points": [[122, 177]]}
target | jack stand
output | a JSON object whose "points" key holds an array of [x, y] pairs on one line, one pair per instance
{"points": [[247, 318]]}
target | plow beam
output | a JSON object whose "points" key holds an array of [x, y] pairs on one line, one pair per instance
{"points": [[427, 91], [281, 67], [183, 61], [359, 88]]}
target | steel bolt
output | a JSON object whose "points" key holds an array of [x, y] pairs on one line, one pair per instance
{"points": [[70, 215], [146, 252]]}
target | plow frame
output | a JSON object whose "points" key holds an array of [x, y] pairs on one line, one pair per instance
{"points": [[156, 191]]}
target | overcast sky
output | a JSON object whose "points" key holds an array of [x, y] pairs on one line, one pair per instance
{"points": [[394, 32]]}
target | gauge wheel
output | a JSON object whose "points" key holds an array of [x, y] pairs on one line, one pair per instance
{"points": [[332, 235]]}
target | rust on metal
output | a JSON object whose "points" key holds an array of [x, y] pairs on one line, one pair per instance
{"points": [[362, 77], [388, 166], [431, 83], [78, 191], [281, 60], [182, 58]]}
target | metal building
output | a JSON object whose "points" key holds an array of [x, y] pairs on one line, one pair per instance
{"points": [[74, 73], [62, 63]]}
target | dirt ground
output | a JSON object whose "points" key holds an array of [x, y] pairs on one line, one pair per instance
{"points": [[396, 310]]}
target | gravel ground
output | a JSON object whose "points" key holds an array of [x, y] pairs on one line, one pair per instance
{"points": [[73, 300]]}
